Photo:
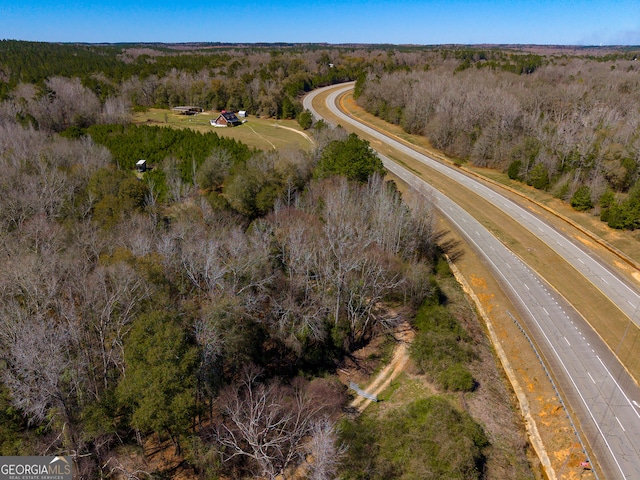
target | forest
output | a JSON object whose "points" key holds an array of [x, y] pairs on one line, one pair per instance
{"points": [[208, 302], [566, 124], [563, 120]]}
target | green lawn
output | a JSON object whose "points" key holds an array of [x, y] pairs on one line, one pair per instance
{"points": [[261, 133]]}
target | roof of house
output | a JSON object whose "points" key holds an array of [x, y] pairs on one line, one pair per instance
{"points": [[229, 117]]}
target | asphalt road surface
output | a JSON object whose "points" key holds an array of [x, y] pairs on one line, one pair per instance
{"points": [[604, 399]]}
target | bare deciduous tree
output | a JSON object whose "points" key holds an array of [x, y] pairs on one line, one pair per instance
{"points": [[266, 423], [485, 115], [39, 371], [67, 103], [324, 450], [110, 298]]}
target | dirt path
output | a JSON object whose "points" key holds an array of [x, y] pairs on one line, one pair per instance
{"points": [[262, 137], [303, 134], [404, 335]]}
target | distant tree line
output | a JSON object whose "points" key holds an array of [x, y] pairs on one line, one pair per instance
{"points": [[566, 124], [263, 81]]}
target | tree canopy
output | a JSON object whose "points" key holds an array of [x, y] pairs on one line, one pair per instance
{"points": [[352, 158], [159, 385]]}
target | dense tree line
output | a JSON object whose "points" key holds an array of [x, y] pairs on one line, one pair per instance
{"points": [[566, 124], [130, 143], [264, 81]]}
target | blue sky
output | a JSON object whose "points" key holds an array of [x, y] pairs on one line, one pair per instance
{"points": [[427, 22]]}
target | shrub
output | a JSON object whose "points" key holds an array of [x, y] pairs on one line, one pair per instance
{"points": [[623, 216], [305, 119], [581, 199], [514, 170], [539, 177], [607, 199], [563, 192], [427, 439], [457, 378]]}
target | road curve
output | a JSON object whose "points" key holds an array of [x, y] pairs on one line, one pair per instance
{"points": [[624, 295], [605, 400]]}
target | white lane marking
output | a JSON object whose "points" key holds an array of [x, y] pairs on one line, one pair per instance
{"points": [[620, 423], [616, 382]]}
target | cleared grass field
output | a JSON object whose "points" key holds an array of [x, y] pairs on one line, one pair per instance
{"points": [[262, 133]]}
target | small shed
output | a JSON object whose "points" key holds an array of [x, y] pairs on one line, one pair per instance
{"points": [[242, 114], [226, 119], [141, 166]]}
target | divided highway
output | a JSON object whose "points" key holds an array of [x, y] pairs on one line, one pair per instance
{"points": [[604, 398]]}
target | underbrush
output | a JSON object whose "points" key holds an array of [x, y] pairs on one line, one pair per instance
{"points": [[442, 348], [436, 441]]}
